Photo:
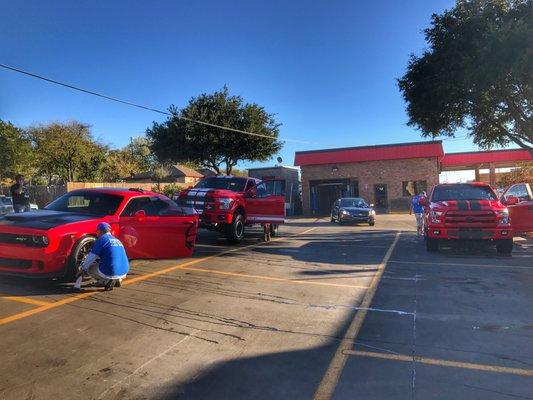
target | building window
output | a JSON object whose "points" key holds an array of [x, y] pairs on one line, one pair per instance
{"points": [[410, 188]]}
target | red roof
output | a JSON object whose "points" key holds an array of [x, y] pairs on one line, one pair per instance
{"points": [[484, 157], [370, 153]]}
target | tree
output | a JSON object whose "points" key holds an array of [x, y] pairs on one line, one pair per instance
{"points": [[68, 150], [524, 173], [181, 140], [16, 152], [141, 154], [476, 74]]}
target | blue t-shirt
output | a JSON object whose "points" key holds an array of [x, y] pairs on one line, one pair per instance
{"points": [[417, 208], [113, 259]]}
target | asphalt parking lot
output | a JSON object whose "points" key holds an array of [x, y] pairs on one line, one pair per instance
{"points": [[321, 312]]}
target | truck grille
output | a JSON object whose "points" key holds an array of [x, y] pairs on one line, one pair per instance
{"points": [[469, 218]]}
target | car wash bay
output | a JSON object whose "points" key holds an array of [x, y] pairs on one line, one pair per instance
{"points": [[322, 312]]}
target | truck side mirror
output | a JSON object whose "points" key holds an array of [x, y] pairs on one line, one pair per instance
{"points": [[511, 200], [140, 215]]}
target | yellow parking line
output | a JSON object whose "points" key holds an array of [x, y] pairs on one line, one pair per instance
{"points": [[27, 300], [331, 377], [140, 278], [442, 363]]}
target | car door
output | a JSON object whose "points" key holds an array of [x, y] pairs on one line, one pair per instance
{"points": [[521, 213], [263, 206], [154, 227]]}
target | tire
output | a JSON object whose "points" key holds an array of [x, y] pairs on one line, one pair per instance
{"points": [[274, 230], [504, 246], [77, 254], [235, 230], [432, 244]]}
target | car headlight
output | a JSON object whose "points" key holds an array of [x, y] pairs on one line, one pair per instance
{"points": [[344, 212], [435, 216], [372, 212], [225, 203], [503, 217], [39, 241]]}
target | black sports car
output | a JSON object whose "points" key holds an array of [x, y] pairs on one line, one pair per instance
{"points": [[353, 209]]}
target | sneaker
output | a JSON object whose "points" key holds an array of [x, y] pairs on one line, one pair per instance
{"points": [[118, 283], [109, 285]]}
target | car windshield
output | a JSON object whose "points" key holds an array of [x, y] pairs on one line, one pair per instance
{"points": [[357, 202], [463, 192], [93, 203], [234, 184]]}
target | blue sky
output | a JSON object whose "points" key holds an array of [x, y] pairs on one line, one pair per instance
{"points": [[326, 68]]}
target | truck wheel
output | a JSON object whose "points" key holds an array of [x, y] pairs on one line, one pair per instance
{"points": [[235, 230], [77, 254], [504, 246], [432, 244], [274, 230]]}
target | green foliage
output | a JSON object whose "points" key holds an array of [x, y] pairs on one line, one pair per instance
{"points": [[181, 141], [168, 190], [522, 174], [476, 74], [68, 150], [16, 152]]}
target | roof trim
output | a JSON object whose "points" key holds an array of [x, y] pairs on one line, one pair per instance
{"points": [[377, 146]]}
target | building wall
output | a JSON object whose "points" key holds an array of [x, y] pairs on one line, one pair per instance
{"points": [[389, 172]]}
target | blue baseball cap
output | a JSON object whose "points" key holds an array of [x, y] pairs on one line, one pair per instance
{"points": [[104, 227]]}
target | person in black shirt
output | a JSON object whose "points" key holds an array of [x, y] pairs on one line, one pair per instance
{"points": [[21, 200]]}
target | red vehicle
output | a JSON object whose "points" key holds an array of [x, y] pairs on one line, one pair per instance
{"points": [[466, 211], [229, 203], [52, 242], [519, 200]]}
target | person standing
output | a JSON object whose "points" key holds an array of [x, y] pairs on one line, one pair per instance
{"points": [[21, 199], [107, 261], [418, 209]]}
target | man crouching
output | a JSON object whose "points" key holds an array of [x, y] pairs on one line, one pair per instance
{"points": [[107, 261]]}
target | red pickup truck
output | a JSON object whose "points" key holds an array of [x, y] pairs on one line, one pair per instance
{"points": [[519, 200], [466, 211], [230, 203]]}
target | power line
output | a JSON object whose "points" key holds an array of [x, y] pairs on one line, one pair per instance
{"points": [[129, 103]]}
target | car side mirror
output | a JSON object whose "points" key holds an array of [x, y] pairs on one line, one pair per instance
{"points": [[140, 215], [423, 201], [511, 201]]}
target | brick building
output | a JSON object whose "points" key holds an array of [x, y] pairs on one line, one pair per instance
{"points": [[386, 175]]}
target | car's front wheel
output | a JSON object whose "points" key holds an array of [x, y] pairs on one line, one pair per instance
{"points": [[504, 246], [235, 230], [78, 254]]}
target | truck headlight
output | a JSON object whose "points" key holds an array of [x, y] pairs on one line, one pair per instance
{"points": [[503, 217], [435, 216], [225, 203]]}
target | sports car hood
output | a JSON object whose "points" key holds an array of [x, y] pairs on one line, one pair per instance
{"points": [[43, 219]]}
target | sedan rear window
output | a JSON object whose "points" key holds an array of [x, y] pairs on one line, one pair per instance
{"points": [[92, 203], [463, 192]]}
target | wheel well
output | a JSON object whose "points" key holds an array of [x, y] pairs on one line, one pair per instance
{"points": [[240, 210]]}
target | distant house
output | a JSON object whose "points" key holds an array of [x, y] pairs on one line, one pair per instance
{"points": [[172, 174], [206, 172]]}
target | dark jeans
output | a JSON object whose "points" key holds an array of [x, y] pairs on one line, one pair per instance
{"points": [[20, 208]]}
